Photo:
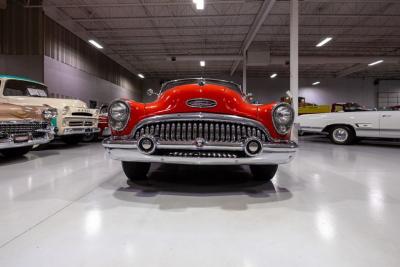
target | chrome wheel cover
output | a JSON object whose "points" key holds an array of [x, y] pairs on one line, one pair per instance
{"points": [[340, 135]]}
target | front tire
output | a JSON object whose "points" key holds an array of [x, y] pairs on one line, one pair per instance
{"points": [[263, 172], [342, 135], [135, 171], [16, 152], [88, 138]]}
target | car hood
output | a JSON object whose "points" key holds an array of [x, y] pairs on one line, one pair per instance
{"points": [[178, 99], [10, 112], [52, 102]]}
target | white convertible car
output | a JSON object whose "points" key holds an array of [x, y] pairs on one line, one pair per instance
{"points": [[344, 128]]}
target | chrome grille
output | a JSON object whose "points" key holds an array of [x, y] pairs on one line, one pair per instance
{"points": [[82, 114], [211, 131], [199, 154], [75, 123], [23, 128]]}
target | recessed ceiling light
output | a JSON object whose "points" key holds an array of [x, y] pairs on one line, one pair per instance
{"points": [[202, 63], [95, 44], [375, 63], [141, 76], [324, 41], [199, 4], [273, 75], [316, 83]]}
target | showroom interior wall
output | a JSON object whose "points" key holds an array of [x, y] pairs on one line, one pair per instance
{"points": [[329, 90], [34, 46]]}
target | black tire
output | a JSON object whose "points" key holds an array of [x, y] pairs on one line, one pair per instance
{"points": [[342, 135], [135, 171], [72, 140], [87, 138], [263, 172], [16, 152]]}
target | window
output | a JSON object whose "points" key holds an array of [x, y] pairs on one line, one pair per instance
{"points": [[24, 88]]}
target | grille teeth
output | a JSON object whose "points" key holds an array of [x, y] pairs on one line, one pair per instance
{"points": [[211, 131], [22, 128], [202, 155]]}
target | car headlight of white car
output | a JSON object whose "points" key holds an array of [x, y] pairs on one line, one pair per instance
{"points": [[283, 118], [65, 110], [119, 113]]}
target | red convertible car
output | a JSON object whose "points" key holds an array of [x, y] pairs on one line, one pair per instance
{"points": [[200, 122]]}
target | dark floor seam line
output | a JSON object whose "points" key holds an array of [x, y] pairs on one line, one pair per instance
{"points": [[48, 217]]}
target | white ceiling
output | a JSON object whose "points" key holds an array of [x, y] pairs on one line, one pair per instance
{"points": [[145, 32]]}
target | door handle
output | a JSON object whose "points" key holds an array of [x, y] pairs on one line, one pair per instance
{"points": [[386, 116]]}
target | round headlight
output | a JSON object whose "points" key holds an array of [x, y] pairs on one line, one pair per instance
{"points": [[47, 114], [65, 110], [119, 115], [283, 117]]}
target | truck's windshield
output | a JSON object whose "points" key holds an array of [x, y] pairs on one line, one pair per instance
{"points": [[201, 81], [24, 88]]}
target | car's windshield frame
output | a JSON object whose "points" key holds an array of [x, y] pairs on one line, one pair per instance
{"points": [[200, 81]]}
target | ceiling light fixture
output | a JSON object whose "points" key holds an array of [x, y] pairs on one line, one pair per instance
{"points": [[141, 76], [273, 75], [95, 44], [375, 63], [202, 63], [199, 4], [324, 41], [316, 83]]}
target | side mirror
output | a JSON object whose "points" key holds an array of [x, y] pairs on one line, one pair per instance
{"points": [[150, 92]]}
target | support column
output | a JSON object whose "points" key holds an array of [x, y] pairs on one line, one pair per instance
{"points": [[245, 71], [294, 61]]}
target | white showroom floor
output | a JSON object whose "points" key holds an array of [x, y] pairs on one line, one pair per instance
{"points": [[332, 206]]}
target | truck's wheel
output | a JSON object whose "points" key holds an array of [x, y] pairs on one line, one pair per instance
{"points": [[342, 135], [16, 152], [87, 138], [135, 170], [263, 172], [72, 139]]}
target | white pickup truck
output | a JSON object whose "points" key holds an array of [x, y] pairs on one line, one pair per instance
{"points": [[74, 118], [344, 128]]}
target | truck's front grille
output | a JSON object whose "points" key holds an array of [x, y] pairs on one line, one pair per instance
{"points": [[75, 123], [210, 131], [23, 128]]}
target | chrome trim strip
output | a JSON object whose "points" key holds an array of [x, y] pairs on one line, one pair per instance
{"points": [[289, 146], [202, 116]]}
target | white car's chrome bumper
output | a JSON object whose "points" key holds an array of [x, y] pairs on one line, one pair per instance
{"points": [[274, 153], [12, 142]]}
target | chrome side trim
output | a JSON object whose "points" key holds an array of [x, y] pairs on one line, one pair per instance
{"points": [[201, 116]]}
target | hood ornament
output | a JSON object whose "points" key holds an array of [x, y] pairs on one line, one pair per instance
{"points": [[201, 103]]}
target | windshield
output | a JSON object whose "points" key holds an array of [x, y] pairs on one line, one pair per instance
{"points": [[24, 88], [201, 81]]}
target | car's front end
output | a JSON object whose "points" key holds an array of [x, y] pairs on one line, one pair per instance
{"points": [[77, 120], [201, 123], [24, 127], [200, 139]]}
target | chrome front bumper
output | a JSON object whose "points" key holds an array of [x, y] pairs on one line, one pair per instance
{"points": [[10, 142], [273, 153]]}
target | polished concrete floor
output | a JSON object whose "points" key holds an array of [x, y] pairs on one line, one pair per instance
{"points": [[332, 206]]}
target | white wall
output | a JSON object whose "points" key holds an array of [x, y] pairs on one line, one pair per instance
{"points": [[66, 81], [22, 65], [329, 91]]}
